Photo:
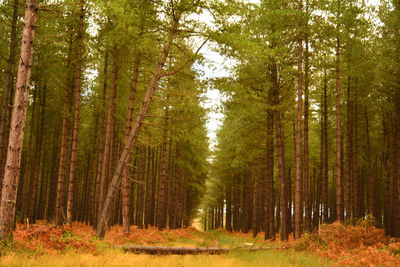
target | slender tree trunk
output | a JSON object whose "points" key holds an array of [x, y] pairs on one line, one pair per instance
{"points": [[338, 137], [66, 124], [35, 175], [77, 113], [348, 168], [136, 127], [306, 171], [256, 198], [325, 164], [107, 152], [128, 127], [10, 183], [280, 143], [7, 90], [370, 184], [356, 168], [298, 207], [162, 182], [269, 178], [101, 139]]}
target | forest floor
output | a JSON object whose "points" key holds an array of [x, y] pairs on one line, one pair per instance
{"points": [[335, 245]]}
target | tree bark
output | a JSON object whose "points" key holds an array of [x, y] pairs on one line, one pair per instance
{"points": [[338, 138], [280, 143], [128, 127], [77, 113], [163, 182], [298, 207], [107, 152], [306, 170], [6, 109], [10, 183], [269, 178]]}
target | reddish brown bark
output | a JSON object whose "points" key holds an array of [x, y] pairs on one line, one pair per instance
{"points": [[8, 89], [128, 127], [10, 183], [338, 138], [77, 113], [298, 207], [280, 143], [163, 178], [108, 139]]}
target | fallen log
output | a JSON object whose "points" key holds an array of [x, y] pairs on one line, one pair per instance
{"points": [[156, 250]]}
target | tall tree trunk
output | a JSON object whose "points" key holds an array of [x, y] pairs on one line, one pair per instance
{"points": [[128, 127], [306, 171], [348, 168], [269, 178], [338, 138], [163, 182], [107, 151], [256, 197], [77, 113], [66, 124], [136, 127], [280, 143], [8, 90], [370, 182], [101, 139], [325, 164], [10, 183], [298, 207], [35, 175]]}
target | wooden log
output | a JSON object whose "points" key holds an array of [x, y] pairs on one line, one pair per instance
{"points": [[157, 250]]}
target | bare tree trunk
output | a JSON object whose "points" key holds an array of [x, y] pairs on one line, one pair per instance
{"points": [[338, 137], [298, 207], [10, 183], [269, 179], [107, 152], [280, 143], [128, 127], [101, 139], [77, 112], [136, 127], [162, 182], [370, 182], [66, 124], [35, 174], [348, 168], [325, 163], [256, 197], [306, 170], [5, 111]]}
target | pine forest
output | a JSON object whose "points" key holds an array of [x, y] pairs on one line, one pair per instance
{"points": [[234, 132]]}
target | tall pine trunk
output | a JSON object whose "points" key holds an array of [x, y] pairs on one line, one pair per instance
{"points": [[10, 183], [5, 110], [77, 113], [128, 127], [298, 207]]}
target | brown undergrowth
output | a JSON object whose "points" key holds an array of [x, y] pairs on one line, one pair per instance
{"points": [[343, 244], [352, 245]]}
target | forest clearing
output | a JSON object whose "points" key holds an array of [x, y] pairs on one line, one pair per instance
{"points": [[195, 132]]}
